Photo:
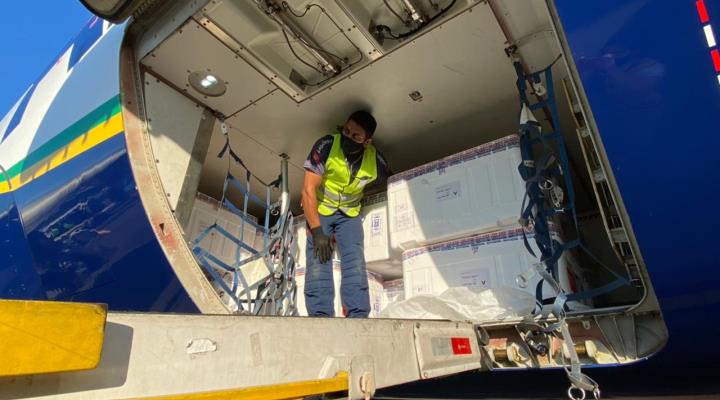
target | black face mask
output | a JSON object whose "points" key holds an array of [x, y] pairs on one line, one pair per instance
{"points": [[349, 146]]}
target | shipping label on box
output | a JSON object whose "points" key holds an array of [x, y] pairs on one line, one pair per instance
{"points": [[375, 231]]}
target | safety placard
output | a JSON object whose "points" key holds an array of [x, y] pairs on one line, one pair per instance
{"points": [[446, 350], [449, 191]]}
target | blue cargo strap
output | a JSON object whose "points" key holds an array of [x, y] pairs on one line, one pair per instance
{"points": [[543, 200], [534, 211]]}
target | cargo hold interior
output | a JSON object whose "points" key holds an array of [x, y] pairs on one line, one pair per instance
{"points": [[445, 88]]}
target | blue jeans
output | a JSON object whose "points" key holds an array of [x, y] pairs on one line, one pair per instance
{"points": [[319, 288]]}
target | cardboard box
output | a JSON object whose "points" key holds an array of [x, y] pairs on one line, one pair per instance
{"points": [[483, 261], [477, 190], [207, 211], [393, 291], [379, 257]]}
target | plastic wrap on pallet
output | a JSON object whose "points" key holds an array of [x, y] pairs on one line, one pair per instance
{"points": [[463, 304], [478, 262], [477, 190], [375, 286]]}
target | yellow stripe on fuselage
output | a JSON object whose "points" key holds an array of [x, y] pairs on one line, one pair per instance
{"points": [[77, 146]]}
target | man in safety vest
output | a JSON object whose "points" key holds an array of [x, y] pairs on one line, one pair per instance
{"points": [[338, 171]]}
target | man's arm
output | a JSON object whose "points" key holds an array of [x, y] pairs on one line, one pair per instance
{"points": [[322, 249], [314, 170], [311, 184], [380, 183]]}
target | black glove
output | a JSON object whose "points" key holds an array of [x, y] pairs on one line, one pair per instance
{"points": [[321, 244]]}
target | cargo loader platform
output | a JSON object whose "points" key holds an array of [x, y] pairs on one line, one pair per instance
{"points": [[80, 351]]}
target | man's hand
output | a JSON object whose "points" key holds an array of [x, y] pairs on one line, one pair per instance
{"points": [[321, 244]]}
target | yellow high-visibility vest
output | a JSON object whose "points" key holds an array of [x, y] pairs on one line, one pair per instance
{"points": [[337, 192]]}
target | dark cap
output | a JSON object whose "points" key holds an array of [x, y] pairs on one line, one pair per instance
{"points": [[365, 120]]}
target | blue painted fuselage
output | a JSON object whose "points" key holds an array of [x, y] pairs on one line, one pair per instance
{"points": [[78, 231]]}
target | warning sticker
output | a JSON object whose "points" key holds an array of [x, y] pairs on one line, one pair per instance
{"points": [[461, 345], [478, 278], [448, 191], [441, 346], [446, 347], [403, 219], [375, 225]]}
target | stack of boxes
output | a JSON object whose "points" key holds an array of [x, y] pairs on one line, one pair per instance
{"points": [[455, 222], [448, 223], [483, 261]]}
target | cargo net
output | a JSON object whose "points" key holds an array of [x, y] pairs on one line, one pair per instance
{"points": [[545, 173], [258, 280]]}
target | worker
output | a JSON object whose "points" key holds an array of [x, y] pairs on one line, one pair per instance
{"points": [[339, 170]]}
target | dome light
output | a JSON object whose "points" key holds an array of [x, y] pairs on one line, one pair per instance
{"points": [[206, 83]]}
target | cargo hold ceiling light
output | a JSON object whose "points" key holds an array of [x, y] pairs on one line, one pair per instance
{"points": [[207, 83]]}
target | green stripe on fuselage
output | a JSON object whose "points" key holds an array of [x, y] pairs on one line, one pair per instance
{"points": [[95, 118]]}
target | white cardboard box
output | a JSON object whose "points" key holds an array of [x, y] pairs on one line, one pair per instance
{"points": [[482, 261], [207, 211], [379, 257], [375, 285], [477, 190], [377, 294], [393, 291], [300, 229]]}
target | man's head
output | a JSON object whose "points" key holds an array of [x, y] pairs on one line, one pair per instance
{"points": [[360, 127]]}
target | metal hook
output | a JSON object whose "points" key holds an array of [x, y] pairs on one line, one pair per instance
{"points": [[521, 281], [572, 390]]}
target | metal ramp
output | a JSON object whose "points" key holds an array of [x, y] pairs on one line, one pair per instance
{"points": [[169, 356]]}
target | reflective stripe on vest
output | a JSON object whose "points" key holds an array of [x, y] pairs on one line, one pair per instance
{"points": [[337, 192]]}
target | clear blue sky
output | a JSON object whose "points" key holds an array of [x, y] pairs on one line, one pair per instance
{"points": [[32, 33]]}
